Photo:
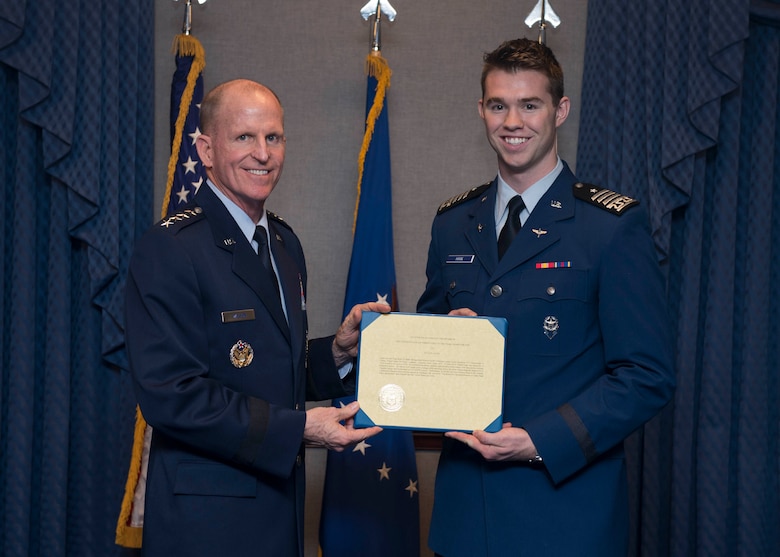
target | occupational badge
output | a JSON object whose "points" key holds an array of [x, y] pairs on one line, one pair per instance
{"points": [[550, 326], [241, 354]]}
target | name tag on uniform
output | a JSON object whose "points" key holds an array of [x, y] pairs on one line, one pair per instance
{"points": [[460, 259], [238, 315]]}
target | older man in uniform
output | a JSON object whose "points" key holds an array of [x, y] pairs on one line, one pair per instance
{"points": [[217, 338]]}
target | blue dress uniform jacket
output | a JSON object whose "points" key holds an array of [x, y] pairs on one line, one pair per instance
{"points": [[226, 473], [588, 361]]}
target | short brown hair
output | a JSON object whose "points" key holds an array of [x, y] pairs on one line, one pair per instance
{"points": [[525, 54]]}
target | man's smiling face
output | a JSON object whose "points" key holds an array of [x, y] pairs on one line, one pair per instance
{"points": [[244, 153], [521, 122]]}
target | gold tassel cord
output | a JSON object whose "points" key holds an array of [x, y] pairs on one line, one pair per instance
{"points": [[376, 67], [126, 534]]}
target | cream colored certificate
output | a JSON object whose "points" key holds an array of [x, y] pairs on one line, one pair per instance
{"points": [[431, 372]]}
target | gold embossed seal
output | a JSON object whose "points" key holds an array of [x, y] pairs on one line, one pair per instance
{"points": [[241, 354], [391, 397]]}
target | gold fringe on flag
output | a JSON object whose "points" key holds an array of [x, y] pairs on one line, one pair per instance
{"points": [[183, 45], [129, 532], [128, 535], [376, 67]]}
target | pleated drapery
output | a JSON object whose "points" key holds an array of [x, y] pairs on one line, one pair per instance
{"points": [[680, 109], [76, 169]]}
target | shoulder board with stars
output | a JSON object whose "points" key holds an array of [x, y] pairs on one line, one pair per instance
{"points": [[608, 200], [176, 220], [461, 197], [278, 219]]}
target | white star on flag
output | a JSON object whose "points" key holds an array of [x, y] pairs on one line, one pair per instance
{"points": [[362, 446], [190, 165], [195, 135], [182, 194], [384, 472], [381, 299], [411, 488]]}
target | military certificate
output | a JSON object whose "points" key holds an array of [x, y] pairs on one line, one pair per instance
{"points": [[431, 372]]}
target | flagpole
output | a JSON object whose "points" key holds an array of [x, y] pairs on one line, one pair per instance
{"points": [[376, 28], [187, 26], [542, 25]]}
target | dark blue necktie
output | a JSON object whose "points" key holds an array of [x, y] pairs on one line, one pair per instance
{"points": [[261, 237], [512, 225]]}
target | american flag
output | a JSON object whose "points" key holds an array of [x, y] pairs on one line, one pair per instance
{"points": [[185, 176], [185, 171]]}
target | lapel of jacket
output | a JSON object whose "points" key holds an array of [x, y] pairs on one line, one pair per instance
{"points": [[246, 266], [540, 231], [480, 230], [292, 284]]}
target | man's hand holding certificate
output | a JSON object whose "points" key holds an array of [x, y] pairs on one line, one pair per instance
{"points": [[431, 372]]}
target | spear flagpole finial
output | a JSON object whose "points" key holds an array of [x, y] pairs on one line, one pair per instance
{"points": [[376, 8], [373, 5], [376, 38], [544, 14]]}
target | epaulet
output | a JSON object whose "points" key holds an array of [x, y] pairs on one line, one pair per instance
{"points": [[608, 200], [182, 218], [278, 219], [461, 197]]}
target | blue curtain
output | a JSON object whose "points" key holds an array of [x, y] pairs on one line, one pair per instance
{"points": [[680, 109], [76, 88]]}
